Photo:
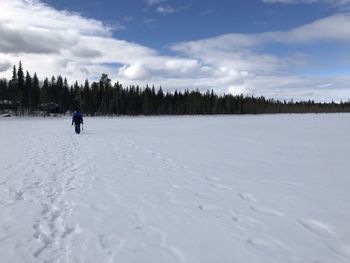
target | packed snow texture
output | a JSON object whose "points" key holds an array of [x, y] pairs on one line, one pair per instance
{"points": [[246, 189]]}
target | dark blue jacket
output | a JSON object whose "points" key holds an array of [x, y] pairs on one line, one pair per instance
{"points": [[77, 118]]}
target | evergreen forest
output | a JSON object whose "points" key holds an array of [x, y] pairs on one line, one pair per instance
{"points": [[25, 94]]}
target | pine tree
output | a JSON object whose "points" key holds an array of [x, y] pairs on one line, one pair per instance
{"points": [[4, 93], [86, 98], [77, 101], [44, 92], [53, 90], [20, 88], [35, 98], [160, 101], [104, 86], [66, 97], [94, 98], [13, 86], [27, 94], [59, 91]]}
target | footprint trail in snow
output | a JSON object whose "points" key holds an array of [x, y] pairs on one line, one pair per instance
{"points": [[175, 189]]}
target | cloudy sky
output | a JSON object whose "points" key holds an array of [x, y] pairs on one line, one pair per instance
{"points": [[276, 48]]}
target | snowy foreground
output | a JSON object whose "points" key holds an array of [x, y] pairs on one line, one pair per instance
{"points": [[176, 189]]}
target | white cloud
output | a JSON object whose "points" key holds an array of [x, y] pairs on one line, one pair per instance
{"points": [[154, 2], [182, 66], [301, 87], [165, 10], [60, 42], [17, 39], [241, 51], [330, 2], [48, 42], [4, 64], [129, 18], [134, 72], [329, 29], [206, 12], [241, 66], [37, 15]]}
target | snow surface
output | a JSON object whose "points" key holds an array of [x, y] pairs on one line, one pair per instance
{"points": [[272, 188]]}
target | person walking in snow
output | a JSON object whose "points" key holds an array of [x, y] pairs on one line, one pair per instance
{"points": [[77, 120]]}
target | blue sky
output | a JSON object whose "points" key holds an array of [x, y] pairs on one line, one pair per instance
{"points": [[276, 48], [140, 22]]}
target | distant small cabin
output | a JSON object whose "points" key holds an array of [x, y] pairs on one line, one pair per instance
{"points": [[8, 106], [49, 108]]}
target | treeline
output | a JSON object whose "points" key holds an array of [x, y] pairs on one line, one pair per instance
{"points": [[26, 94]]}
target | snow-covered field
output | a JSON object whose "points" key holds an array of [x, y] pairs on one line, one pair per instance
{"points": [[176, 189]]}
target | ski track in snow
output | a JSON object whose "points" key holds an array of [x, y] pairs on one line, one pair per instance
{"points": [[49, 170], [48, 174], [318, 228], [128, 198]]}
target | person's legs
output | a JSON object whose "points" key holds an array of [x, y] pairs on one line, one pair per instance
{"points": [[77, 128]]}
